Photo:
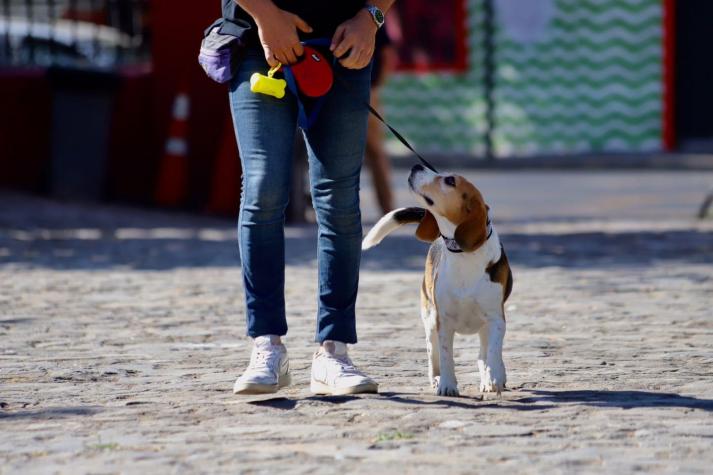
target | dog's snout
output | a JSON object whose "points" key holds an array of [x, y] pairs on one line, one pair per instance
{"points": [[414, 171]]}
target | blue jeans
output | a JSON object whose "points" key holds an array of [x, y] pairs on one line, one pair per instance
{"points": [[265, 129]]}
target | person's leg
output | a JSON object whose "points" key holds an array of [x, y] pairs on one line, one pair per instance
{"points": [[265, 129], [335, 146]]}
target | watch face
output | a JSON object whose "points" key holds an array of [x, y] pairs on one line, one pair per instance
{"points": [[379, 16]]}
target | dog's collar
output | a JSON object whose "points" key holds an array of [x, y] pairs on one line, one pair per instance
{"points": [[453, 246]]}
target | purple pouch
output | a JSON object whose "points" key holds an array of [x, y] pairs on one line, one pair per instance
{"points": [[220, 55]]}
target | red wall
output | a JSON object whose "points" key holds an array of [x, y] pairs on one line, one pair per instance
{"points": [[177, 32], [24, 129], [133, 143]]}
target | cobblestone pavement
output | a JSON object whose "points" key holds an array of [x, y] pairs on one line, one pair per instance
{"points": [[121, 333]]}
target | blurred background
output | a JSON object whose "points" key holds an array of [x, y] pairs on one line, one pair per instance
{"points": [[103, 100]]}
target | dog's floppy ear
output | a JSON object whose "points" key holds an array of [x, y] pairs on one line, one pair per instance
{"points": [[428, 228], [471, 234]]}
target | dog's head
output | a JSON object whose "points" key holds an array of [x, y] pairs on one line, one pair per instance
{"points": [[454, 208]]}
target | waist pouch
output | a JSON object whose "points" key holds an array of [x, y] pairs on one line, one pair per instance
{"points": [[311, 79], [222, 49]]}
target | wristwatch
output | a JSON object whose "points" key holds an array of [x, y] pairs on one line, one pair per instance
{"points": [[376, 14]]}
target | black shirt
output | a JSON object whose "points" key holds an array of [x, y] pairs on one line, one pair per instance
{"points": [[324, 16]]}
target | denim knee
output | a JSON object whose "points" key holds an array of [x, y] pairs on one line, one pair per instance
{"points": [[338, 211], [263, 204]]}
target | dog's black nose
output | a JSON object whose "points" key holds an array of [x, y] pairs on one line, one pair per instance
{"points": [[417, 168]]}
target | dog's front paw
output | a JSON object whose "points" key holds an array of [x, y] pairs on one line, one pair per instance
{"points": [[447, 388]]}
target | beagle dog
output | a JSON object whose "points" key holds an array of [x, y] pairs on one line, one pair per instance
{"points": [[467, 277]]}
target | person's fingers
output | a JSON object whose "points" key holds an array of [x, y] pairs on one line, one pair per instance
{"points": [[346, 43], [346, 60], [270, 57], [282, 58], [356, 64], [363, 59], [361, 64], [351, 60], [301, 24], [298, 50], [290, 56], [338, 37], [369, 56]]}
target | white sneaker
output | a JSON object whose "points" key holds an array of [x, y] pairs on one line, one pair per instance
{"points": [[334, 373], [269, 368]]}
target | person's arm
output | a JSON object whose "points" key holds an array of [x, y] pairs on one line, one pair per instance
{"points": [[277, 30], [357, 36]]}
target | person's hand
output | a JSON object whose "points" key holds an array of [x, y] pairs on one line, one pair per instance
{"points": [[356, 36], [277, 30]]}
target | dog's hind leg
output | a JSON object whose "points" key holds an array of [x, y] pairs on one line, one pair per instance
{"points": [[490, 361], [447, 383], [482, 357]]}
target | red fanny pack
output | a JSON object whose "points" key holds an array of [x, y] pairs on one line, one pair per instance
{"points": [[313, 74]]}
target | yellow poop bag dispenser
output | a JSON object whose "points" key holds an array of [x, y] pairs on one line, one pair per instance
{"points": [[261, 84]]}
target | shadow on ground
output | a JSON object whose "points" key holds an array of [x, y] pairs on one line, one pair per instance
{"points": [[538, 401], [575, 250], [50, 413], [51, 234], [620, 399]]}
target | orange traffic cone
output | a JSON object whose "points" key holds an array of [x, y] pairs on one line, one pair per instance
{"points": [[225, 189], [172, 185]]}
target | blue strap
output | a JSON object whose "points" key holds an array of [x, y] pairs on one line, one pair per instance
{"points": [[305, 119], [317, 42]]}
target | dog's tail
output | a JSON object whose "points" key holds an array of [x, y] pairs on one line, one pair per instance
{"points": [[389, 223]]}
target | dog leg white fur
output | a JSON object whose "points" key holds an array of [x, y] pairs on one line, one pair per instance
{"points": [[447, 383], [434, 367], [490, 362], [482, 357]]}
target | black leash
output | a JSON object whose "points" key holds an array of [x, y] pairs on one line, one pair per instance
{"points": [[400, 137], [393, 131], [324, 43]]}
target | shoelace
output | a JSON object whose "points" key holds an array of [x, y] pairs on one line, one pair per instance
{"points": [[344, 362], [267, 359]]}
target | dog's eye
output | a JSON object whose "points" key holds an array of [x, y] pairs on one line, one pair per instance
{"points": [[450, 181]]}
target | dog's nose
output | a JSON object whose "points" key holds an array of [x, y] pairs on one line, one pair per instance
{"points": [[417, 168]]}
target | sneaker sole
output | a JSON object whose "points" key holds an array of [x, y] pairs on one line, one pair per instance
{"points": [[322, 389], [254, 388]]}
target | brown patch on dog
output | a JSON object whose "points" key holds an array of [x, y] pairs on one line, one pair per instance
{"points": [[428, 286], [428, 228], [500, 272]]}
